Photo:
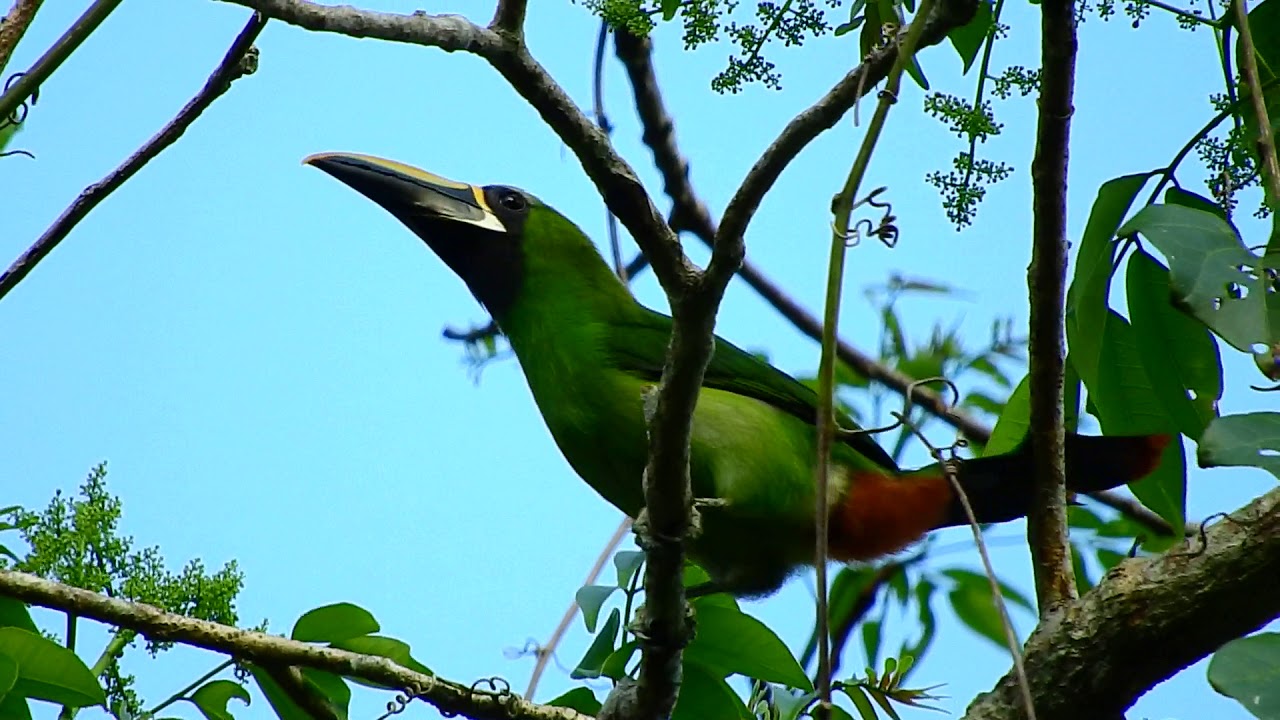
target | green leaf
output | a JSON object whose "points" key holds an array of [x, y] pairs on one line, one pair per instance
{"points": [[627, 563], [590, 599], [928, 623], [14, 707], [601, 648], [871, 640], [1086, 310], [212, 698], [1249, 439], [14, 613], [394, 650], [968, 39], [973, 603], [48, 671], [705, 694], [334, 622], [1014, 421], [8, 674], [580, 699], [848, 27], [669, 9], [1215, 277], [1248, 670], [615, 666], [329, 686], [733, 642], [1126, 404], [858, 696], [1179, 355], [1011, 595]]}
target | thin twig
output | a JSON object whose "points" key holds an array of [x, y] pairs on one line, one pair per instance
{"points": [[247, 645], [602, 120], [14, 26], [546, 651], [1046, 286], [1266, 136], [842, 207], [26, 86], [240, 60]]}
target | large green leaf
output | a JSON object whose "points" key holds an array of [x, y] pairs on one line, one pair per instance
{"points": [[1086, 310], [1215, 277], [14, 707], [1248, 670], [14, 613], [1250, 439], [334, 622], [1178, 354], [705, 694], [601, 648], [590, 599], [972, 601], [329, 686], [969, 38], [48, 671], [394, 650], [1014, 421], [731, 641], [580, 699], [212, 698], [1126, 403], [8, 674]]}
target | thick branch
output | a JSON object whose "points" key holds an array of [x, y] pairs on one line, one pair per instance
{"points": [[826, 112], [271, 650], [1148, 619], [1046, 284], [15, 26], [240, 60], [509, 17]]}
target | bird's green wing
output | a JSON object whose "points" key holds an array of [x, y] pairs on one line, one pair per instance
{"points": [[638, 345]]}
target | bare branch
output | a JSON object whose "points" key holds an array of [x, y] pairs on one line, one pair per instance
{"points": [[83, 27], [450, 697], [823, 115], [1046, 284], [509, 17], [1266, 135], [240, 60], [15, 26], [1094, 655]]}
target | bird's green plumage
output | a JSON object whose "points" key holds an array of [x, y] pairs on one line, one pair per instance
{"points": [[590, 354]]}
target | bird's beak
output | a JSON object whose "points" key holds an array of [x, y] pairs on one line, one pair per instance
{"points": [[412, 195]]}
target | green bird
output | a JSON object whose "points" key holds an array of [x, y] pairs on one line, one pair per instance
{"points": [[590, 352]]}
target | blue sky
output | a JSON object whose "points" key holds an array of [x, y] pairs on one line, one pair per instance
{"points": [[256, 351]]}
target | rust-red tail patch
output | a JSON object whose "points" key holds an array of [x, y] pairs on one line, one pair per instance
{"points": [[881, 513]]}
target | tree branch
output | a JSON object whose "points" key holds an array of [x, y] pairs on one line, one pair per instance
{"points": [[509, 17], [1149, 618], [269, 650], [15, 26], [240, 60], [826, 112], [1046, 285], [1266, 136]]}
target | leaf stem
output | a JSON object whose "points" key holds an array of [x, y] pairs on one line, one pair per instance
{"points": [[181, 694], [842, 208]]}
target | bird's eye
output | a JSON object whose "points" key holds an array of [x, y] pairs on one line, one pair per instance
{"points": [[512, 201]]}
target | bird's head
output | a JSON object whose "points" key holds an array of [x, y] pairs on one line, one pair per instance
{"points": [[494, 237]]}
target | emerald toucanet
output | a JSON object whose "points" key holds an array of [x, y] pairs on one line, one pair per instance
{"points": [[589, 352]]}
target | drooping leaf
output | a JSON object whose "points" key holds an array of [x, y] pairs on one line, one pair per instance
{"points": [[705, 694], [334, 622], [1014, 421], [615, 666], [972, 601], [627, 562], [394, 650], [590, 599], [212, 698], [1249, 439], [14, 613], [327, 686], [1214, 276], [1179, 355], [601, 648], [48, 671], [1086, 310], [580, 699], [1248, 670], [871, 640], [8, 674], [928, 623], [731, 641], [14, 707], [1126, 403], [969, 38]]}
